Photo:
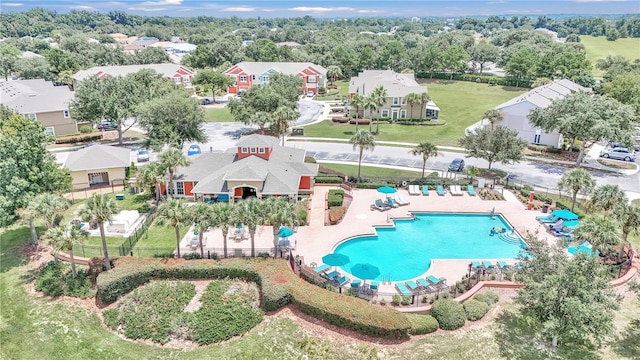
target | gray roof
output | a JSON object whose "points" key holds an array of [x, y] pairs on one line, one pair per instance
{"points": [[98, 157], [257, 140], [396, 84], [34, 96], [167, 70], [287, 68], [543, 96]]}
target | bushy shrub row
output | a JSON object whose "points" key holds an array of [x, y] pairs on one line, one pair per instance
{"points": [[422, 122], [544, 148], [475, 309], [366, 185], [328, 179], [422, 324], [450, 314], [488, 297], [78, 139], [335, 197], [56, 279]]}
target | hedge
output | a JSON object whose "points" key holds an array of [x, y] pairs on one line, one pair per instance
{"points": [[328, 179], [78, 139], [335, 197], [422, 324], [477, 78], [488, 296], [450, 314], [373, 185], [475, 309]]}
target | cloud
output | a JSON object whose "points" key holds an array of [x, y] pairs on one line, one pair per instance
{"points": [[135, 8], [318, 9], [161, 3], [497, 2], [111, 3], [13, 4], [82, 7], [238, 9], [368, 11], [598, 1]]}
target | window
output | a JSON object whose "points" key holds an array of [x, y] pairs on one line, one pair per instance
{"points": [[244, 150], [404, 101], [537, 136], [253, 77], [384, 113], [49, 131], [253, 150], [265, 78], [312, 79], [396, 101], [179, 188], [243, 78], [65, 113], [432, 114], [31, 117], [403, 114], [261, 150], [177, 80], [186, 79]]}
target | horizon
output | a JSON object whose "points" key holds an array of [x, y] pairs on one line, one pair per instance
{"points": [[328, 9]]}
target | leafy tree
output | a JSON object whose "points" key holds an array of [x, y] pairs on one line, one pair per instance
{"points": [[170, 159], [175, 213], [261, 118], [334, 72], [493, 116], [586, 117], [608, 197], [378, 97], [151, 175], [279, 212], [65, 237], [171, 120], [629, 218], [48, 207], [250, 213], [614, 65], [35, 68], [576, 181], [61, 60], [500, 144], [150, 55], [282, 117], [100, 208], [569, 298], [362, 140], [223, 217], [287, 86], [455, 59], [601, 231], [357, 101], [484, 52], [431, 60], [66, 77], [626, 89], [522, 65], [213, 80], [9, 56], [370, 103], [201, 214], [27, 168], [426, 150]]}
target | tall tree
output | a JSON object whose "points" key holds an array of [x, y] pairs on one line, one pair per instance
{"points": [[250, 213], [27, 168], [629, 218], [379, 98], [411, 100], [334, 72], [500, 144], [151, 176], [9, 56], [424, 100], [601, 231], [455, 59], [282, 118], [493, 116], [576, 181], [213, 80], [65, 237], [48, 207], [569, 298], [608, 197], [362, 140], [522, 65], [223, 216], [175, 213], [201, 214], [170, 159], [100, 208], [587, 118], [484, 52], [625, 88], [426, 150], [260, 118], [279, 212]]}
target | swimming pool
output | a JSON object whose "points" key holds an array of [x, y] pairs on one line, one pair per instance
{"points": [[406, 251]]}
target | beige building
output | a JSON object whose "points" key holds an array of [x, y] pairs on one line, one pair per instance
{"points": [[98, 165], [40, 101]]}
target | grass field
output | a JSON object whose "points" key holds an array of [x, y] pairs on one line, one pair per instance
{"points": [[599, 48], [218, 115], [461, 104], [158, 239], [333, 94]]}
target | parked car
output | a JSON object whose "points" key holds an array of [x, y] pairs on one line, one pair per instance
{"points": [[193, 150], [143, 155], [107, 125], [456, 165], [618, 154], [206, 101]]}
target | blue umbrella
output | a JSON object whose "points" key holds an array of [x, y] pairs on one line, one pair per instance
{"points": [[285, 232], [565, 214], [386, 190], [365, 271], [335, 259]]}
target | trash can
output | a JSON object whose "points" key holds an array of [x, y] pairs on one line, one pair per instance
{"points": [[545, 208]]}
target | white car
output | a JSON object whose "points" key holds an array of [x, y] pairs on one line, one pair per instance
{"points": [[618, 153], [143, 155]]}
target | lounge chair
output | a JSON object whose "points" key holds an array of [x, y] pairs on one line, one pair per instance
{"points": [[502, 265], [378, 204], [355, 284], [391, 202], [403, 290], [400, 200], [433, 280], [343, 280], [334, 274], [413, 190], [440, 190], [556, 224], [471, 190], [457, 189], [475, 264], [564, 232], [549, 220], [322, 268], [438, 284], [374, 285], [425, 190], [487, 264], [547, 217], [412, 285], [426, 285]]}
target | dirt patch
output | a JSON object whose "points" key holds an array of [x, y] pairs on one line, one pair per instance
{"points": [[196, 303]]}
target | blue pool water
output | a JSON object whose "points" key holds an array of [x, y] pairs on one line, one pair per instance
{"points": [[405, 252]]}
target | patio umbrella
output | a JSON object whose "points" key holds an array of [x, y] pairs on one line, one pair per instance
{"points": [[386, 190], [285, 232], [565, 214], [365, 271], [335, 259]]}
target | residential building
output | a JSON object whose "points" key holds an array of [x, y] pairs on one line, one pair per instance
{"points": [[398, 86], [257, 167], [98, 165], [41, 101], [174, 72], [291, 44], [175, 50], [515, 112], [247, 74]]}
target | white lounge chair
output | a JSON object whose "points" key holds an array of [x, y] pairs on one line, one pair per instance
{"points": [[400, 200], [414, 190]]}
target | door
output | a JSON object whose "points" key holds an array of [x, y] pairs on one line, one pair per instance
{"points": [[394, 114]]}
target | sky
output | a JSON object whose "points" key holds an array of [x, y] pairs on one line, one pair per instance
{"points": [[334, 9]]}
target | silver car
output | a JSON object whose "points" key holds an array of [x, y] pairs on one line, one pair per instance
{"points": [[618, 153]]}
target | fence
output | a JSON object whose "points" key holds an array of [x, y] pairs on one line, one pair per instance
{"points": [[209, 253], [124, 249]]}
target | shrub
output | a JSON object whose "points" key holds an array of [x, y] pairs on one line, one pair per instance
{"points": [[86, 129], [78, 139], [56, 279], [475, 309], [372, 185], [328, 179], [335, 197], [491, 297], [192, 256], [450, 314], [144, 209], [422, 324], [406, 300], [395, 300], [49, 279], [264, 255]]}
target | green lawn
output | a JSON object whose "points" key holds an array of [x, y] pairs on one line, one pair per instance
{"points": [[12, 239], [218, 115], [461, 104], [599, 48], [130, 202], [158, 239], [335, 94]]}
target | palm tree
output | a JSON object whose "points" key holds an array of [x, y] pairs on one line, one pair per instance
{"points": [[472, 171], [65, 237], [279, 213], [201, 214], [48, 207], [379, 96], [250, 213], [426, 150], [424, 100], [261, 118], [223, 217], [170, 160], [576, 181], [369, 104], [151, 175], [100, 209], [411, 100], [607, 197], [629, 218], [363, 140], [282, 118], [599, 230], [493, 116], [334, 72], [174, 213], [357, 101]]}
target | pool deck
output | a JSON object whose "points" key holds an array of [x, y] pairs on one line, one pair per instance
{"points": [[316, 240]]}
